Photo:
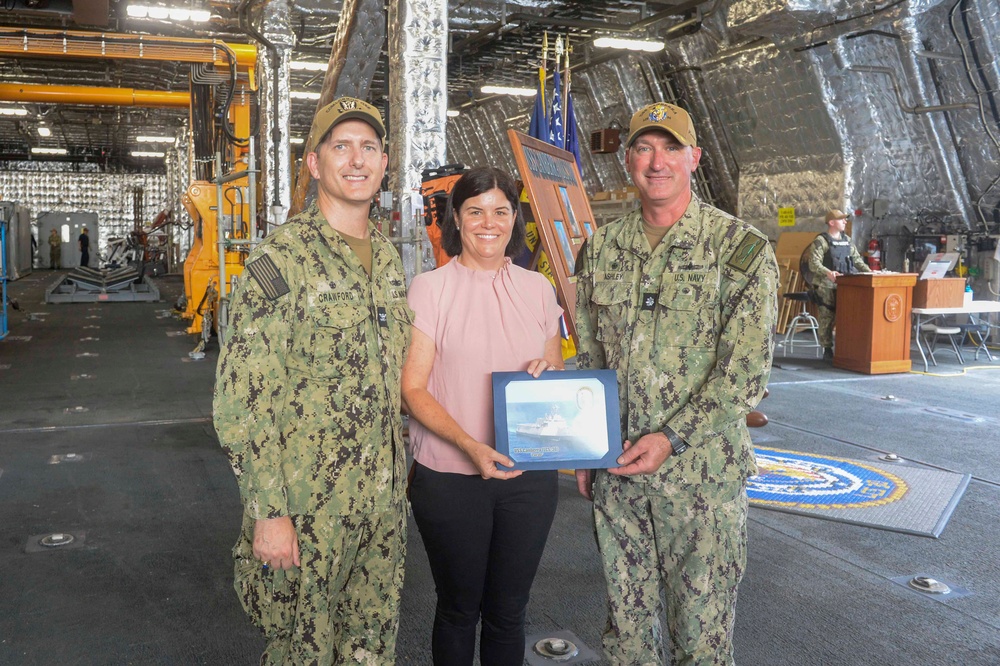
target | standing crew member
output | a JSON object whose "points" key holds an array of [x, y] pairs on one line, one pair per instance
{"points": [[832, 254], [679, 298], [307, 407], [55, 250], [84, 242]]}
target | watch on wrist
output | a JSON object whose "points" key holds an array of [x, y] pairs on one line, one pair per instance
{"points": [[676, 442]]}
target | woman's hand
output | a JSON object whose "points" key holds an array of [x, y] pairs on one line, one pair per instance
{"points": [[486, 458], [540, 365]]}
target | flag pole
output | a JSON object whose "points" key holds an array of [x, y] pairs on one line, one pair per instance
{"points": [[562, 109], [543, 67], [566, 86]]}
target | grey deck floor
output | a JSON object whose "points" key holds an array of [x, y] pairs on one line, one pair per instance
{"points": [[158, 510]]}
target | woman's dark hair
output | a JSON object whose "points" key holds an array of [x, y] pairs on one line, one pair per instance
{"points": [[473, 183]]}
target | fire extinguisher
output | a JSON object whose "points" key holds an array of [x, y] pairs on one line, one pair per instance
{"points": [[875, 254]]}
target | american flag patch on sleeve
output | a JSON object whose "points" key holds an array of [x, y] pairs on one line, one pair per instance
{"points": [[267, 276]]}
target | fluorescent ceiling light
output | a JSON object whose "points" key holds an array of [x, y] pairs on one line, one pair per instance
{"points": [[11, 111], [146, 153], [629, 44], [173, 13], [154, 139], [44, 131], [298, 94], [49, 151], [453, 113], [508, 90], [308, 66], [296, 140]]}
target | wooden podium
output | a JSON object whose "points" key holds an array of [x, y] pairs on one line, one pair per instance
{"points": [[873, 322]]}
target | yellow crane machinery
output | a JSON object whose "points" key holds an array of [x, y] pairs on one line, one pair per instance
{"points": [[222, 198], [223, 211], [202, 273]]}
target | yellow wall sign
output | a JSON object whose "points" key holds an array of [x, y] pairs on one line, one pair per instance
{"points": [[786, 217]]}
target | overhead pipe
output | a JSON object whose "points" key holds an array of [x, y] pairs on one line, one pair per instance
{"points": [[113, 46], [17, 92], [937, 55], [899, 92]]}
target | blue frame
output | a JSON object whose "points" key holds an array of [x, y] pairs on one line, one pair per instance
{"points": [[542, 438]]}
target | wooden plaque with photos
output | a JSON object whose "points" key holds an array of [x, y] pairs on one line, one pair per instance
{"points": [[561, 208]]}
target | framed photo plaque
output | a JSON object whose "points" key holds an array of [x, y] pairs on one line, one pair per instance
{"points": [[562, 420], [561, 208]]}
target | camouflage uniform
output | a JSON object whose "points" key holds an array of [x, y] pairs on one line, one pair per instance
{"points": [[688, 328], [825, 290], [307, 408]]}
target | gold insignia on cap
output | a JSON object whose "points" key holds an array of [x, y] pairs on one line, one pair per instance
{"points": [[348, 105], [659, 113]]}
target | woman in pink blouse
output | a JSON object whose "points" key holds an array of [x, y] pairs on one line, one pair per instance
{"points": [[484, 527]]}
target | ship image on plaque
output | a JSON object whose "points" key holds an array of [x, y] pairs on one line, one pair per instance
{"points": [[570, 215], [566, 247], [560, 420]]}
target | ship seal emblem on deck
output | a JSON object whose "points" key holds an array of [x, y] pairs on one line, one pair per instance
{"points": [[806, 481]]}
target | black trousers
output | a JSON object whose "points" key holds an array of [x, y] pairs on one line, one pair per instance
{"points": [[484, 539]]}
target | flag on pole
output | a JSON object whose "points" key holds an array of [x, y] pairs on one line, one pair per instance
{"points": [[539, 127], [556, 136], [572, 140], [572, 143]]}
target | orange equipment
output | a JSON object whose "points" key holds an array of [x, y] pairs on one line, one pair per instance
{"points": [[436, 186], [221, 207], [201, 268]]}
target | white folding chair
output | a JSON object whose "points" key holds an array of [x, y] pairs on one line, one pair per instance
{"points": [[931, 334]]}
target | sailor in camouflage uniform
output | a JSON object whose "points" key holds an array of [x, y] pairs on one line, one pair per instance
{"points": [[679, 299], [830, 255], [307, 408]]}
